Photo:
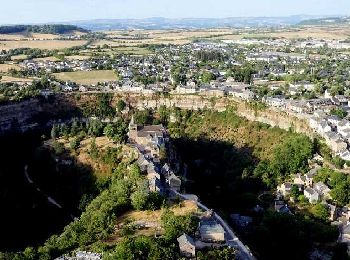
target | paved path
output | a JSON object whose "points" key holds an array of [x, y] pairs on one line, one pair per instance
{"points": [[232, 240]]}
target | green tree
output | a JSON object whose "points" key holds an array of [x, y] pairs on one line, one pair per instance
{"points": [[93, 151], [74, 143], [116, 131], [30, 253], [295, 191], [340, 193], [341, 113], [120, 105], [139, 198], [54, 131], [142, 117], [320, 211]]}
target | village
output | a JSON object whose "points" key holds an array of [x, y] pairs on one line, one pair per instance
{"points": [[212, 230], [305, 79]]}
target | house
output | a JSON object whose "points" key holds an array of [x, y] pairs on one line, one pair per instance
{"points": [[142, 162], [174, 182], [345, 233], [152, 137], [186, 245], [322, 189], [211, 231], [309, 177], [299, 179], [154, 185], [312, 195], [285, 188], [241, 221], [282, 207]]}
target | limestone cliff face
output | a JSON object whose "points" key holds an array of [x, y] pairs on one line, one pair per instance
{"points": [[18, 113], [41, 110], [269, 116]]}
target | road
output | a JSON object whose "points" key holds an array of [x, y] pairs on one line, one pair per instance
{"points": [[232, 240], [49, 199]]}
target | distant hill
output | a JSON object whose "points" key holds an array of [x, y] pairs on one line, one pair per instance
{"points": [[191, 23], [48, 28], [327, 21]]}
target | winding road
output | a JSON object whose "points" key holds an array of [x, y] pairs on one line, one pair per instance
{"points": [[49, 199]]}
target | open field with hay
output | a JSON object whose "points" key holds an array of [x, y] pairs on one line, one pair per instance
{"points": [[40, 44], [9, 79], [6, 67], [87, 77]]}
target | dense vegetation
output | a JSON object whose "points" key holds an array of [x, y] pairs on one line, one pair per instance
{"points": [[230, 162], [47, 28]]}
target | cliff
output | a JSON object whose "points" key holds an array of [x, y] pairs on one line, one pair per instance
{"points": [[40, 111]]}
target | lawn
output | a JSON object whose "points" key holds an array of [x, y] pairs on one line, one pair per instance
{"points": [[87, 77]]}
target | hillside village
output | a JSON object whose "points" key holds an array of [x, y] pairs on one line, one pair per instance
{"points": [[149, 141], [303, 79]]}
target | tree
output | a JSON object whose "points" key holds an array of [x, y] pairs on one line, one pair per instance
{"points": [[341, 113], [74, 128], [120, 105], [95, 128], [30, 253], [142, 117], [292, 156], [58, 147], [154, 201], [213, 254], [75, 143], [109, 131], [163, 114], [294, 193], [174, 226], [54, 132], [116, 131], [341, 193], [320, 211], [93, 151], [139, 199], [162, 153]]}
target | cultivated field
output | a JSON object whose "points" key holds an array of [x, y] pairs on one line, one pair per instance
{"points": [[6, 67], [78, 57], [87, 77], [19, 57], [132, 38], [327, 33], [9, 79], [50, 58], [40, 44]]}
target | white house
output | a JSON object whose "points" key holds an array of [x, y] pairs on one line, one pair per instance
{"points": [[311, 195]]}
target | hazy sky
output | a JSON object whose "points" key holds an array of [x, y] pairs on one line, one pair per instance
{"points": [[39, 11]]}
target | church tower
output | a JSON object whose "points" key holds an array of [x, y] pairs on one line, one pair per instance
{"points": [[132, 129]]}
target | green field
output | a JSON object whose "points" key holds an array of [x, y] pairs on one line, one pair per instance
{"points": [[87, 77]]}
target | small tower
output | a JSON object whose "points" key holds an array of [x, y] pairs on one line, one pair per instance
{"points": [[132, 129]]}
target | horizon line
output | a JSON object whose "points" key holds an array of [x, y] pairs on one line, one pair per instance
{"points": [[177, 18]]}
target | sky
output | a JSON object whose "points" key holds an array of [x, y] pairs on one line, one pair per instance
{"points": [[41, 11]]}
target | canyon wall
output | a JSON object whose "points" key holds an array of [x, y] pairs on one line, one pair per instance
{"points": [[38, 111]]}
